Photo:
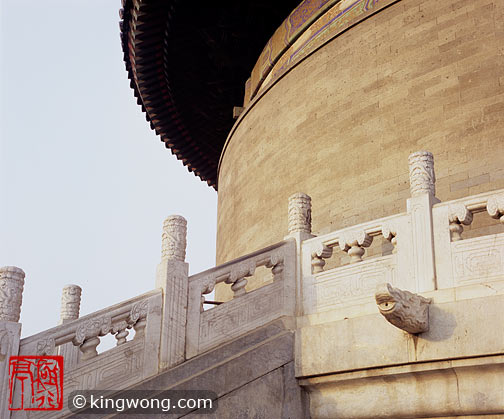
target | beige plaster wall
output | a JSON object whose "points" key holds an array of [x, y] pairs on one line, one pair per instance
{"points": [[420, 74]]}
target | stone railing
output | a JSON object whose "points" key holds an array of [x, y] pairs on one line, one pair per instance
{"points": [[459, 261], [169, 322], [428, 251], [131, 361], [353, 283], [246, 311]]}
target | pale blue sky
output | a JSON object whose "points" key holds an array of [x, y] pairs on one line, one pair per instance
{"points": [[85, 184]]}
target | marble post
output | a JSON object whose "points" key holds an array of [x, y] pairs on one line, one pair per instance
{"points": [[419, 206], [70, 305], [299, 228], [172, 277], [11, 295]]}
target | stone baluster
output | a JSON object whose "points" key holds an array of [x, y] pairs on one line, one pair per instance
{"points": [[458, 214], [138, 318], [11, 294], [70, 306], [354, 242], [172, 277], [207, 288], [389, 232], [238, 276], [318, 254], [495, 207], [422, 188], [120, 332], [276, 263], [87, 335]]}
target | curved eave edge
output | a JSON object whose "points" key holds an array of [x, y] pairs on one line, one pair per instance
{"points": [[127, 17]]}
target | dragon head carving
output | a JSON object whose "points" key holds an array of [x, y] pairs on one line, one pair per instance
{"points": [[403, 309]]}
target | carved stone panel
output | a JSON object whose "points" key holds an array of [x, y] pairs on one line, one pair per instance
{"points": [[350, 284], [241, 315], [115, 369], [478, 259]]}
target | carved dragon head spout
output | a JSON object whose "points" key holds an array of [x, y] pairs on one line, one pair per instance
{"points": [[403, 309]]}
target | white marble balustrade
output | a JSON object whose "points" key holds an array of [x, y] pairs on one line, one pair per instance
{"points": [[131, 361], [246, 311]]}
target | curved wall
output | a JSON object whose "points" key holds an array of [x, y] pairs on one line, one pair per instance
{"points": [[340, 124]]}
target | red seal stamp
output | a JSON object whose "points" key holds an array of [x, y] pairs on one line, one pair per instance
{"points": [[35, 383]]}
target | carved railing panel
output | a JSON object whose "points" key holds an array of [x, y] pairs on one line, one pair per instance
{"points": [[353, 241], [477, 260], [429, 253], [349, 285], [462, 261], [130, 362], [356, 282], [247, 310]]}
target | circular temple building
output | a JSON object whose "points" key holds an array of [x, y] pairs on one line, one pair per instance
{"points": [[341, 94]]}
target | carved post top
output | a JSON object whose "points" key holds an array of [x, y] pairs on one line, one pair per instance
{"points": [[70, 302], [299, 213], [174, 238], [421, 173], [12, 272], [11, 293]]}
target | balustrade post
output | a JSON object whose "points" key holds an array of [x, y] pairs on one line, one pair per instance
{"points": [[299, 229], [172, 277], [70, 306], [11, 295], [419, 206]]}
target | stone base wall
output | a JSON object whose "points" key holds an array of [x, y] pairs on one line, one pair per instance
{"points": [[366, 368], [419, 74], [253, 377]]}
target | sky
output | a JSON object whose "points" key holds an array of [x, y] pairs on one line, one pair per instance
{"points": [[85, 184]]}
